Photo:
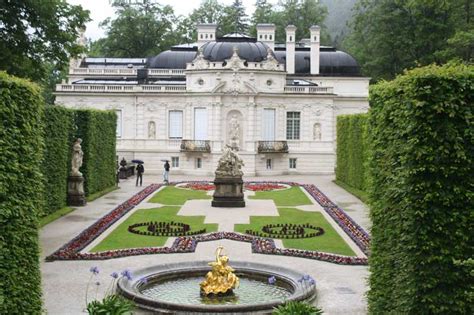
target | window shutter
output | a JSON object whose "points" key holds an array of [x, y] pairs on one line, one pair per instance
{"points": [[200, 124], [176, 124], [268, 124]]}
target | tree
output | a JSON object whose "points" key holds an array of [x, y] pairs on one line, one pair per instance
{"points": [[302, 14], [264, 13], [141, 28], [210, 11], [390, 36], [235, 19], [37, 34]]}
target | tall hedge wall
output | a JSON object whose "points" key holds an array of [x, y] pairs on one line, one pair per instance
{"points": [[21, 151], [97, 129], [421, 131], [352, 150], [59, 130]]}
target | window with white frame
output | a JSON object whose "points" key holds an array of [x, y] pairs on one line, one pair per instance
{"points": [[119, 123], [292, 163], [268, 129], [176, 124], [269, 164], [198, 163], [175, 161], [293, 125]]}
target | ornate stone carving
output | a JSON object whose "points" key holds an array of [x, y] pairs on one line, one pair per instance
{"points": [[230, 164], [235, 63], [151, 130], [234, 132], [270, 63], [317, 132], [200, 63]]}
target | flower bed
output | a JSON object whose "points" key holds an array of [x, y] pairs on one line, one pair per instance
{"points": [[254, 186], [355, 231], [187, 244], [198, 186], [264, 186]]}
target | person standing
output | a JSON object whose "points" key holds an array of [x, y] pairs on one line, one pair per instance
{"points": [[140, 170], [166, 172]]}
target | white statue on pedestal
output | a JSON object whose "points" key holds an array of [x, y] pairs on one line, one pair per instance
{"points": [[77, 155]]}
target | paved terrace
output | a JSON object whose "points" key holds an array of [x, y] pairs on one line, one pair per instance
{"points": [[341, 289]]}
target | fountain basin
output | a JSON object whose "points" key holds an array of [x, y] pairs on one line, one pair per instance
{"points": [[174, 288]]}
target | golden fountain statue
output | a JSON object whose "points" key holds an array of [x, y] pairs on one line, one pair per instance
{"points": [[221, 279]]}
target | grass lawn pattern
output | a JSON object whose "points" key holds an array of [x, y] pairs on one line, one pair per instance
{"points": [[171, 195], [121, 238], [329, 242], [291, 197]]}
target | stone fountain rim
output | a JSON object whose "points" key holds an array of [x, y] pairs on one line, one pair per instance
{"points": [[130, 288]]}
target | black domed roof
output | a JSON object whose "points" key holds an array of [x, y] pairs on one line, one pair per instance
{"points": [[223, 48], [172, 59], [332, 62]]}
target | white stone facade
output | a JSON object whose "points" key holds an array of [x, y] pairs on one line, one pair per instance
{"points": [[255, 94]]}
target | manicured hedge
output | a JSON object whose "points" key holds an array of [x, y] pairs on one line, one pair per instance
{"points": [[21, 152], [59, 130], [97, 129], [352, 150], [421, 134]]}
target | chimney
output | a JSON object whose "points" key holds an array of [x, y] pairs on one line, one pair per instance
{"points": [[290, 49], [315, 32], [205, 33], [266, 34]]}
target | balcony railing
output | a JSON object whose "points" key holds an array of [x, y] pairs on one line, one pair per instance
{"points": [[125, 72], [309, 90], [96, 88], [195, 146], [272, 147]]}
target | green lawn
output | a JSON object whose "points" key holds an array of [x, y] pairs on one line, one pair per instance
{"points": [[120, 238], [171, 195], [284, 198], [329, 242]]}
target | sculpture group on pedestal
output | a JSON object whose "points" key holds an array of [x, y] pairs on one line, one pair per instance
{"points": [[229, 190], [75, 192]]}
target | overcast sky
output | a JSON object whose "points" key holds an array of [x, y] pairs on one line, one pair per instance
{"points": [[101, 9]]}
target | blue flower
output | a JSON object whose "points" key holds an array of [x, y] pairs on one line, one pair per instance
{"points": [[306, 277], [300, 280], [94, 270], [144, 280], [114, 275], [312, 281], [127, 274], [272, 280]]}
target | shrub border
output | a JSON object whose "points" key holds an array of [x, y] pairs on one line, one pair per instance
{"points": [[187, 244]]}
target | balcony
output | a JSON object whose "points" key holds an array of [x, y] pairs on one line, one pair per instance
{"points": [[272, 147], [203, 146]]}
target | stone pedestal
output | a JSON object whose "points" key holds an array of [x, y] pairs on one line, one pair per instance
{"points": [[229, 192], [75, 191]]}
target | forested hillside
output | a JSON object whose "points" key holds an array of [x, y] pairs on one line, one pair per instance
{"points": [[339, 13]]}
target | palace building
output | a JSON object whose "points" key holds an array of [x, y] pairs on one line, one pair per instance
{"points": [[277, 104]]}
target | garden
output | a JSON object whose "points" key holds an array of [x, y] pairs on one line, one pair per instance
{"points": [[145, 223]]}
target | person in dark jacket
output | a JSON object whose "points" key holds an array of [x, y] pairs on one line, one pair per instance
{"points": [[140, 170], [166, 172]]}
